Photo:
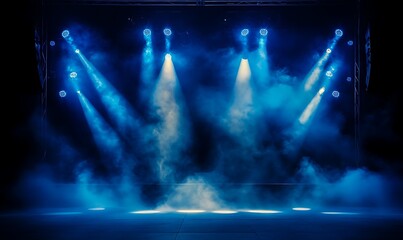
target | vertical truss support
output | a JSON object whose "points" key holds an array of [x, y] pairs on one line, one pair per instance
{"points": [[357, 88], [42, 66]]}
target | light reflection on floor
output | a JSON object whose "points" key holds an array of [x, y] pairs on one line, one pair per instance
{"points": [[196, 224]]}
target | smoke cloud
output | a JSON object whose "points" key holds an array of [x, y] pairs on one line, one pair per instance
{"points": [[209, 127]]}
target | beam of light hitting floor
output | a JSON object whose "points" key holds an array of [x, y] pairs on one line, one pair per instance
{"points": [[340, 213], [311, 107], [107, 140], [190, 211], [97, 209], [166, 97], [301, 209], [242, 106], [224, 211], [118, 108], [146, 212], [317, 69], [262, 211]]}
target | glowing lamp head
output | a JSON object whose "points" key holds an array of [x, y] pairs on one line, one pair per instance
{"points": [[350, 43], [329, 74], [322, 90], [147, 32], [263, 32], [65, 33], [245, 32], [335, 94], [73, 74], [62, 93], [168, 56], [328, 50], [167, 32], [338, 32], [77, 50]]}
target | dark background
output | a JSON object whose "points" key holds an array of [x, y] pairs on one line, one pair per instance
{"points": [[380, 116]]}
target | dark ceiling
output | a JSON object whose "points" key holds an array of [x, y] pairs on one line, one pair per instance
{"points": [[201, 2]]}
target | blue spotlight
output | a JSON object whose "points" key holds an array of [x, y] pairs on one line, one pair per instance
{"points": [[168, 56], [244, 32], [52, 43], [147, 32], [62, 93], [78, 91], [77, 50], [65, 33], [348, 79], [338, 32], [329, 74], [350, 43], [73, 74], [335, 94], [167, 32], [328, 50], [263, 32]]}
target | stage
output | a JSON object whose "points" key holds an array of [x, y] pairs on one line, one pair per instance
{"points": [[120, 224]]}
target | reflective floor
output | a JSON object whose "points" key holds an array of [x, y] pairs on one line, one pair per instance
{"points": [[283, 224]]}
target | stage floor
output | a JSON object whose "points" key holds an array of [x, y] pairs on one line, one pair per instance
{"points": [[119, 224]]}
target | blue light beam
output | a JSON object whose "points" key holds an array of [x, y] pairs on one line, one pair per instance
{"points": [[107, 140], [118, 108]]}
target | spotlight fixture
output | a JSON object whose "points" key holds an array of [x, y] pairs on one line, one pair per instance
{"points": [[62, 93], [244, 32], [65, 33], [263, 32], [338, 32], [147, 32], [73, 74], [335, 94], [329, 74], [167, 32]]}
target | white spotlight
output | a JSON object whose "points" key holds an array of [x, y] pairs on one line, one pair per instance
{"points": [[301, 209]]}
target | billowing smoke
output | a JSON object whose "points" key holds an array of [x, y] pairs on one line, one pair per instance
{"points": [[193, 193], [213, 128]]}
